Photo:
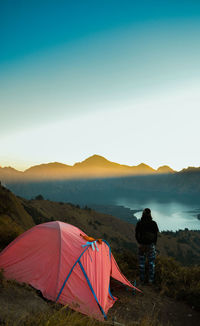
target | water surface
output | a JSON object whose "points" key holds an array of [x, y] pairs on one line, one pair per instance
{"points": [[171, 216]]}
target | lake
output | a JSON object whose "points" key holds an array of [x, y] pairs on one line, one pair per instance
{"points": [[169, 216]]}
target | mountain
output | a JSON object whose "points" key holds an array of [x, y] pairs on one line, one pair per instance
{"points": [[53, 170], [96, 160], [9, 173], [97, 180], [95, 166], [190, 170], [143, 169], [165, 169], [98, 166]]}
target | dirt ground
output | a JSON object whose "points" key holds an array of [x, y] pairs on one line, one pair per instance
{"points": [[130, 307], [19, 301]]}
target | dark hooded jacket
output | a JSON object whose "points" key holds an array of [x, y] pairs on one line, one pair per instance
{"points": [[146, 231]]}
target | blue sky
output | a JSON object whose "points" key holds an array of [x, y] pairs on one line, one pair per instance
{"points": [[115, 78]]}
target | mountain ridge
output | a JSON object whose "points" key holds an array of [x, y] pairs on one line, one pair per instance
{"points": [[93, 166]]}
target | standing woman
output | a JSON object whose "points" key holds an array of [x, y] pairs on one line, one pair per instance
{"points": [[146, 235]]}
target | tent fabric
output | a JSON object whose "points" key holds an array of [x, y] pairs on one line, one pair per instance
{"points": [[54, 258]]}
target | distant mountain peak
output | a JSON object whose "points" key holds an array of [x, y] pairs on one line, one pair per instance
{"points": [[190, 169], [143, 168], [94, 160], [165, 169], [51, 165], [143, 165], [8, 168]]}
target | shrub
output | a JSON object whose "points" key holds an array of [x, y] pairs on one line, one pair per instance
{"points": [[39, 197], [178, 281], [9, 230], [87, 208]]}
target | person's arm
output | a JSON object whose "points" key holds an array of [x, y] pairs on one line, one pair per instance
{"points": [[156, 237], [137, 232], [156, 232]]}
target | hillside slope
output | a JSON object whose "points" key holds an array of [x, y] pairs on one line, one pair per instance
{"points": [[14, 219], [18, 214]]}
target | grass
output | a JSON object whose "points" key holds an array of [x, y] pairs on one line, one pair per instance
{"points": [[177, 281], [62, 317], [65, 317], [9, 230]]}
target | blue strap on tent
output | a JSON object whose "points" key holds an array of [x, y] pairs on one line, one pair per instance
{"points": [[70, 273], [92, 290], [93, 244], [110, 293], [108, 247]]}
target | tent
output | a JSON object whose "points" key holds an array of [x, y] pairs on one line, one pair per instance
{"points": [[55, 258]]}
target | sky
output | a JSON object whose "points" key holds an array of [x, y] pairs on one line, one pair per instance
{"points": [[116, 78]]}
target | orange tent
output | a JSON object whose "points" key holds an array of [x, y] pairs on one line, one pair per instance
{"points": [[55, 259]]}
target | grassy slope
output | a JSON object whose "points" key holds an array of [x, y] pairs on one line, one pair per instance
{"points": [[12, 207], [13, 217]]}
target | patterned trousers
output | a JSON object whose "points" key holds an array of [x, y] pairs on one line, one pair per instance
{"points": [[147, 252]]}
